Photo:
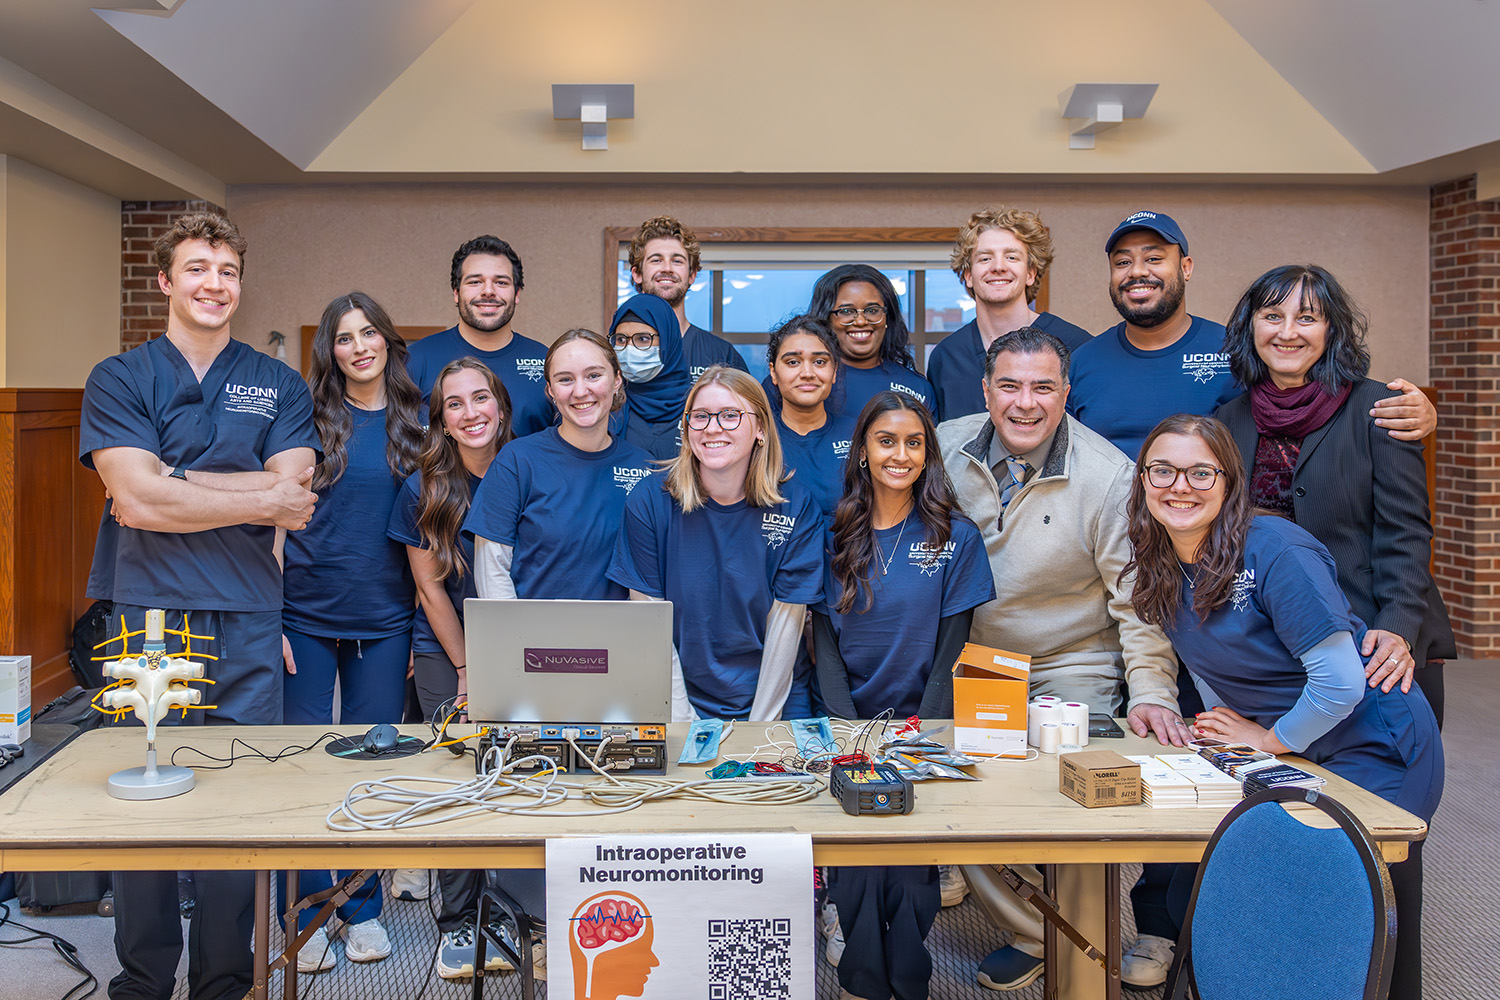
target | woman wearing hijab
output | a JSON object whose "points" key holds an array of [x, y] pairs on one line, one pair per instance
{"points": [[648, 344]]}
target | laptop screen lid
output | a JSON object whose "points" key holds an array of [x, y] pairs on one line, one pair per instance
{"points": [[569, 661]]}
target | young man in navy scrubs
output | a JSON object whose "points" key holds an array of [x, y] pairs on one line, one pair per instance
{"points": [[664, 261], [487, 280], [1001, 255], [206, 447]]}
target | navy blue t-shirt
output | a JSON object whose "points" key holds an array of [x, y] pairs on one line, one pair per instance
{"points": [[816, 459], [1121, 392], [560, 509], [248, 408], [888, 649], [1284, 602], [519, 366], [403, 528], [701, 350], [956, 366], [722, 568], [860, 385], [345, 579]]}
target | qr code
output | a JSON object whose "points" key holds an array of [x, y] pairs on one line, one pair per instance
{"points": [[749, 959]]}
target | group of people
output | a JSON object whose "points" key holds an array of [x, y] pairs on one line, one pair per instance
{"points": [[829, 539]]}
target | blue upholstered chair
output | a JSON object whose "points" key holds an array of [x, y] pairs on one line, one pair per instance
{"points": [[1280, 909]]}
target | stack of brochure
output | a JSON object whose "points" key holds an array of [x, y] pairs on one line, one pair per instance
{"points": [[1185, 781]]}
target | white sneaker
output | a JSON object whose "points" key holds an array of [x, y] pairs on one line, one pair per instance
{"points": [[316, 953], [366, 941], [952, 884], [833, 934], [1148, 961], [411, 884]]}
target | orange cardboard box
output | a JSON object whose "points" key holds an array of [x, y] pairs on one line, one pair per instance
{"points": [[989, 701]]}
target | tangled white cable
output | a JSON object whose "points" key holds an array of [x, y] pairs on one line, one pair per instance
{"points": [[409, 801]]}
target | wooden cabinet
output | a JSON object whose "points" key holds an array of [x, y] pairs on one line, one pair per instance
{"points": [[50, 507]]}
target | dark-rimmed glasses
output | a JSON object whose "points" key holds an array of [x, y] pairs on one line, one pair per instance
{"points": [[728, 418], [1162, 476]]}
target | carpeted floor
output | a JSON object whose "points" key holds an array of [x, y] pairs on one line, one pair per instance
{"points": [[1462, 895]]}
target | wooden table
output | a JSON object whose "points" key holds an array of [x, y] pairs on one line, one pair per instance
{"points": [[268, 816]]}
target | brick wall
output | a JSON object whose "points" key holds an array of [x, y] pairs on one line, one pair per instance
{"points": [[1465, 369], [143, 308]]}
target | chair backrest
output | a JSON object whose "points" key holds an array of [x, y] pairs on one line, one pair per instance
{"points": [[1281, 909]]}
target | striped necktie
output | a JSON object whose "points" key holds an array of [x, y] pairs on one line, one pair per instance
{"points": [[1016, 470]]}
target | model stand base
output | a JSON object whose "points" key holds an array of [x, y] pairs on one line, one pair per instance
{"points": [[150, 782]]}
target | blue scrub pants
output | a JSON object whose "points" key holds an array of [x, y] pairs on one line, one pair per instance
{"points": [[372, 688], [885, 914], [148, 922]]}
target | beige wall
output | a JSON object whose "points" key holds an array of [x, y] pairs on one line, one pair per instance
{"points": [[308, 244], [59, 278]]}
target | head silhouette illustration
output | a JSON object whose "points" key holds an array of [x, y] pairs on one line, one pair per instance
{"points": [[609, 942]]}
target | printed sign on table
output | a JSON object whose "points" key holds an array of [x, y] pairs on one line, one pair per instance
{"points": [[719, 916]]}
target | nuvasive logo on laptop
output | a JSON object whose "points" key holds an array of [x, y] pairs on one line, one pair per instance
{"points": [[566, 661]]}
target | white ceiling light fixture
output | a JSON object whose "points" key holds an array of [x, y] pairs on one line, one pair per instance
{"points": [[1102, 106], [593, 104]]}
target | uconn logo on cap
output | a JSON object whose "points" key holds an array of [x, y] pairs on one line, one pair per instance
{"points": [[1139, 217]]}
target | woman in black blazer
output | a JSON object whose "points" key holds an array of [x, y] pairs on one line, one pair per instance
{"points": [[1296, 341]]}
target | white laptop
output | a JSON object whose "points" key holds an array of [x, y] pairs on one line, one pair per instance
{"points": [[569, 661]]}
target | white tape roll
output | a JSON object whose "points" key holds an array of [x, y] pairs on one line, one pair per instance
{"points": [[1068, 733], [1049, 738], [1047, 699], [1077, 713], [1038, 715]]}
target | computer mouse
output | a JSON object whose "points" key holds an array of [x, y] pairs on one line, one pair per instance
{"points": [[381, 738]]}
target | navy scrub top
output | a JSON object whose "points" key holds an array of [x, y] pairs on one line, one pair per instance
{"points": [[519, 366]]}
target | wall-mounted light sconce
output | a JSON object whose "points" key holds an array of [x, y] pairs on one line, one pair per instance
{"points": [[1103, 106], [593, 104]]}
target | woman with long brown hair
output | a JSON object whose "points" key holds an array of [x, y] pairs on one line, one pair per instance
{"points": [[1252, 605]]}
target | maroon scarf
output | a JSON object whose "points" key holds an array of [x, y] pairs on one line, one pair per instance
{"points": [[1294, 413]]}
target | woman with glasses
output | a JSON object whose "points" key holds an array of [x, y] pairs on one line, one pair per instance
{"points": [[647, 340], [736, 550], [1252, 605], [860, 305], [554, 500], [1296, 340]]}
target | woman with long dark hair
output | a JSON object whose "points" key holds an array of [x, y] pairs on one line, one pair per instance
{"points": [[861, 306], [907, 570], [555, 500], [469, 421], [1296, 340], [733, 547], [347, 614], [1252, 605]]}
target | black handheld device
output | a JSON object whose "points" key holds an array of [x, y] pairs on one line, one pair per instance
{"points": [[1102, 727]]}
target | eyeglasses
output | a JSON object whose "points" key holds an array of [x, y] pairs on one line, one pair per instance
{"points": [[848, 314], [642, 341], [1199, 477], [728, 419]]}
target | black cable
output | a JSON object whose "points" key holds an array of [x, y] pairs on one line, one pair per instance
{"points": [[64, 948], [227, 762]]}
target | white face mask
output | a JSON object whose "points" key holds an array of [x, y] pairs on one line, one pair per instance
{"points": [[639, 365]]}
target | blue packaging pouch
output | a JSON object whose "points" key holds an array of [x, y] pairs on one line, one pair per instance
{"points": [[702, 744], [813, 736]]}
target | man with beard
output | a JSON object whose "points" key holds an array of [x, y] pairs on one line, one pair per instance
{"points": [[664, 261], [1162, 361], [487, 281], [1001, 256]]}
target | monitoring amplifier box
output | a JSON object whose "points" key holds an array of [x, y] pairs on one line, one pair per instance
{"points": [[571, 746]]}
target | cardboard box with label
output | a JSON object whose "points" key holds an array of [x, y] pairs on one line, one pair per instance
{"points": [[15, 699], [989, 701], [1097, 778]]}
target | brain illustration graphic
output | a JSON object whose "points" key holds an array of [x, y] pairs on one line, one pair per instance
{"points": [[610, 921]]}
